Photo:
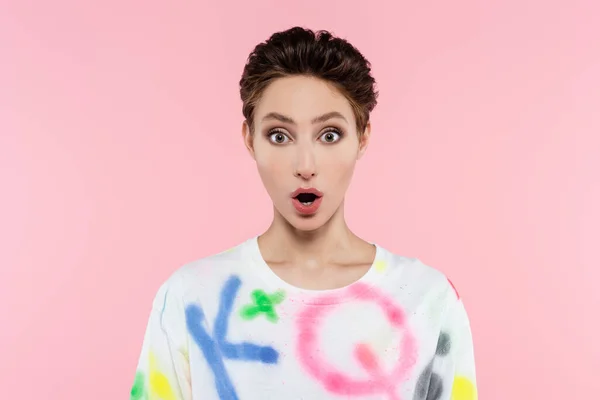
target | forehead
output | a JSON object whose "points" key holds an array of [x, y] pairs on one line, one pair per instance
{"points": [[302, 98]]}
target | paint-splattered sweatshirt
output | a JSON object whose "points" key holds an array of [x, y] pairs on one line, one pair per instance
{"points": [[227, 327]]}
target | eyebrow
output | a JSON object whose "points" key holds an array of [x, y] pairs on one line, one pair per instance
{"points": [[316, 120]]}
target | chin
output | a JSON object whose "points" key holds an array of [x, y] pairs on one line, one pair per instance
{"points": [[307, 223]]}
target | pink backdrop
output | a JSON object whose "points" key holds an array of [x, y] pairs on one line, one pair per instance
{"points": [[119, 121]]}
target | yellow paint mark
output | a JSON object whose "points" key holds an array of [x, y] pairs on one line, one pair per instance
{"points": [[186, 366], [380, 265], [185, 354], [463, 389], [160, 388]]}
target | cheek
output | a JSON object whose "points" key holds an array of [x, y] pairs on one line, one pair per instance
{"points": [[272, 168], [339, 169]]}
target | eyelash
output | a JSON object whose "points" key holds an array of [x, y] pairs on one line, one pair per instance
{"points": [[337, 131]]}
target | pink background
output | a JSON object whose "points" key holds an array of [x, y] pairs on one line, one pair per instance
{"points": [[121, 159]]}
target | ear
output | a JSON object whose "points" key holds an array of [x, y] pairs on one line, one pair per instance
{"points": [[364, 141], [248, 138]]}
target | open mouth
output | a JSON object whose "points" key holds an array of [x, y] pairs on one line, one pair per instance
{"points": [[306, 198]]}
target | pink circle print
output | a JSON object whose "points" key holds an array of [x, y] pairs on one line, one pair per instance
{"points": [[376, 380]]}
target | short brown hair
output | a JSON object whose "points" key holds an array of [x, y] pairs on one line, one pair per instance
{"points": [[300, 51]]}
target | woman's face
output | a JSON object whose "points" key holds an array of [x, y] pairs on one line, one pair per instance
{"points": [[305, 139]]}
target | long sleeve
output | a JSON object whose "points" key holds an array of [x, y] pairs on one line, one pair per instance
{"points": [[454, 376], [163, 367]]}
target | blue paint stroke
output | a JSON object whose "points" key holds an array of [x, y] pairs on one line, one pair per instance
{"points": [[216, 348]]}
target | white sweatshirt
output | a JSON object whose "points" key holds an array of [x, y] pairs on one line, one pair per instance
{"points": [[227, 327]]}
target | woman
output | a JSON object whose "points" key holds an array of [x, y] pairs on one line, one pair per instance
{"points": [[307, 310]]}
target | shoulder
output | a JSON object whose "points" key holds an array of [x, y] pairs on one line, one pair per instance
{"points": [[420, 277], [201, 276]]}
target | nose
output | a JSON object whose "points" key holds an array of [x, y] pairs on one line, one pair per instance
{"points": [[306, 166]]}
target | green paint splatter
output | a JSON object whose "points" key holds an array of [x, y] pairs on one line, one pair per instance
{"points": [[263, 303], [137, 391]]}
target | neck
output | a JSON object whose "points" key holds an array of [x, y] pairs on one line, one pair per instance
{"points": [[284, 242]]}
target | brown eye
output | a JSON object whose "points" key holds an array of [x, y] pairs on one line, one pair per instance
{"points": [[330, 137], [278, 138]]}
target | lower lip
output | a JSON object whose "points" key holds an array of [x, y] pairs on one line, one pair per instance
{"points": [[307, 209]]}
